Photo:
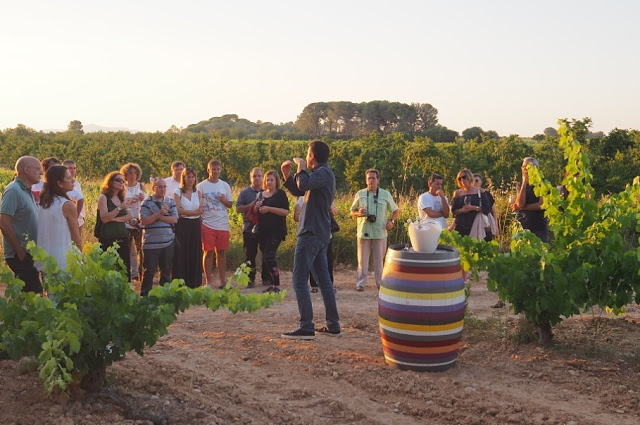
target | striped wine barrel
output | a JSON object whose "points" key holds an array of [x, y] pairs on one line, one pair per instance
{"points": [[421, 308]]}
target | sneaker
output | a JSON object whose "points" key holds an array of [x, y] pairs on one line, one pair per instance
{"points": [[326, 331], [359, 288], [299, 334]]}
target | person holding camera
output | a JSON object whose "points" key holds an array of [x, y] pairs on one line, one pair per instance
{"points": [[372, 207]]}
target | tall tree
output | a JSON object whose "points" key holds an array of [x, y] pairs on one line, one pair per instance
{"points": [[75, 126], [312, 118], [427, 117], [473, 133]]}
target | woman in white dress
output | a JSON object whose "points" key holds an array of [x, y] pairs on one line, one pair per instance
{"points": [[57, 215], [187, 257], [135, 191]]}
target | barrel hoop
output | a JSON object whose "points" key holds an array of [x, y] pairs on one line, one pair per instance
{"points": [[409, 296], [419, 358], [430, 269], [420, 343], [424, 337], [422, 277], [424, 350], [421, 286], [408, 328], [413, 318], [395, 259], [421, 308], [433, 353]]}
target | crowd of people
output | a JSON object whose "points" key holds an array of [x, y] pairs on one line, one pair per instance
{"points": [[178, 225]]}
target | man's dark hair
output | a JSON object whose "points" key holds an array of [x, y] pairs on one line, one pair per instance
{"points": [[48, 162], [435, 176], [320, 151]]}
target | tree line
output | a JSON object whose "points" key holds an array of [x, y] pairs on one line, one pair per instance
{"points": [[405, 162], [338, 120]]}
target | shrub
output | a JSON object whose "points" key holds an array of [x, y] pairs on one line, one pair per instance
{"points": [[92, 316]]}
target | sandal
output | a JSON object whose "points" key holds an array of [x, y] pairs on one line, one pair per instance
{"points": [[314, 290]]}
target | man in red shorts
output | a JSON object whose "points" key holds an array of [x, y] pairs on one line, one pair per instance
{"points": [[217, 199]]}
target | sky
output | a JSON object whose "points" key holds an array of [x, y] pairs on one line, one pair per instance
{"points": [[514, 67]]}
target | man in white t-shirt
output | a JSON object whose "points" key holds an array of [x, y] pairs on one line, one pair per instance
{"points": [[76, 194], [217, 199], [173, 182], [433, 204]]}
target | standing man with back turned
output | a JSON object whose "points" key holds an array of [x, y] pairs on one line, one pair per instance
{"points": [[19, 222], [247, 200], [314, 234]]}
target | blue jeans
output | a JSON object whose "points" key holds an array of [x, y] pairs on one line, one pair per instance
{"points": [[311, 255]]}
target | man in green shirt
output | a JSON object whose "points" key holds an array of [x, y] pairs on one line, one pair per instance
{"points": [[372, 207], [19, 222]]}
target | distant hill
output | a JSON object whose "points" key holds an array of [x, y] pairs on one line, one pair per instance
{"points": [[92, 128]]}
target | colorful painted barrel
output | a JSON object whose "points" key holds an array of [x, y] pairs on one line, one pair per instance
{"points": [[421, 308]]}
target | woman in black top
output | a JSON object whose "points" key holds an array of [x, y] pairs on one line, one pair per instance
{"points": [[113, 213], [529, 205], [466, 203], [273, 209]]}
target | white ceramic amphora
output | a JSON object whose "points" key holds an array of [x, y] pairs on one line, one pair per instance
{"points": [[425, 235]]}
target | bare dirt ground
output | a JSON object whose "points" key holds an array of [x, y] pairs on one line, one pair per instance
{"points": [[220, 368]]}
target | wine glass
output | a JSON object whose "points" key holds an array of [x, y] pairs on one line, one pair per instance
{"points": [[512, 200], [467, 200]]}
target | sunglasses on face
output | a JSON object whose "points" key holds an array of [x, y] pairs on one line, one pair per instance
{"points": [[462, 178], [477, 180], [118, 180]]}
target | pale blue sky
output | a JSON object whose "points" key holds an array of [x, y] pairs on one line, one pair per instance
{"points": [[510, 66]]}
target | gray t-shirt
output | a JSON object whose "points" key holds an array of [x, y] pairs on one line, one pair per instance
{"points": [[17, 201], [247, 196]]}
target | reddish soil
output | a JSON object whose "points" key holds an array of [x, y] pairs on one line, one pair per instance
{"points": [[220, 368]]}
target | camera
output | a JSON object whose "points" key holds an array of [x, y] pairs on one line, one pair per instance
{"points": [[371, 218]]}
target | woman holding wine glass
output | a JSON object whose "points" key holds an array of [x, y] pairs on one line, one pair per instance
{"points": [[272, 227], [467, 202], [187, 254]]}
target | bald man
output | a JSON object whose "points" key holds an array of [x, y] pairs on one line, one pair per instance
{"points": [[19, 222]]}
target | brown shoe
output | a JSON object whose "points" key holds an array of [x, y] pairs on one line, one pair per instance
{"points": [[499, 304]]}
